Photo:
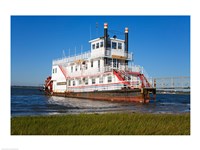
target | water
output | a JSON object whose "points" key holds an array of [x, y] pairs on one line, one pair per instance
{"points": [[25, 102]]}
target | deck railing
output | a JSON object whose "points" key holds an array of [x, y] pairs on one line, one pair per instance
{"points": [[65, 60], [96, 88], [179, 82], [88, 54]]}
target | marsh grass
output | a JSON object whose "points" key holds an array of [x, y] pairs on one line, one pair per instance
{"points": [[103, 124]]}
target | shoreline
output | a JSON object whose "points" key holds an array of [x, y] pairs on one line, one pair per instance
{"points": [[103, 112], [103, 124]]}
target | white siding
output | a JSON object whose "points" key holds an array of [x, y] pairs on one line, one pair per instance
{"points": [[58, 76]]}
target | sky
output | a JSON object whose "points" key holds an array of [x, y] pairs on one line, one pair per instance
{"points": [[161, 44]]}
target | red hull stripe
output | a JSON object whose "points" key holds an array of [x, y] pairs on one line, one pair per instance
{"points": [[63, 71]]}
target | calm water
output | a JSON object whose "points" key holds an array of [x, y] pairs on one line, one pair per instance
{"points": [[33, 102]]}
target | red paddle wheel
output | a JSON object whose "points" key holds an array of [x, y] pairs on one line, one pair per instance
{"points": [[48, 86]]}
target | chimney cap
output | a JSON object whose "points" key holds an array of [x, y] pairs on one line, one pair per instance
{"points": [[126, 30], [106, 25]]}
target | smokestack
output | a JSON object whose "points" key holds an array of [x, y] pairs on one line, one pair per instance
{"points": [[105, 35], [126, 40], [126, 46]]}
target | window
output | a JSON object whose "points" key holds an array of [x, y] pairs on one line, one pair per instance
{"points": [[93, 46], [108, 61], [101, 44], [86, 81], [86, 66], [71, 68], [97, 45], [93, 81], [55, 70], [101, 80], [91, 63], [119, 45], [69, 83], [109, 78], [98, 63], [76, 68], [114, 45], [79, 82], [74, 83]]}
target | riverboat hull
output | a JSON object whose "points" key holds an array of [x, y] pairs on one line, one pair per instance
{"points": [[127, 95]]}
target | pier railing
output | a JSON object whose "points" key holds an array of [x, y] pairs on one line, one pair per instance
{"points": [[171, 83]]}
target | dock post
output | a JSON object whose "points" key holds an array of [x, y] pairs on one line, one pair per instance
{"points": [[154, 94], [154, 83]]}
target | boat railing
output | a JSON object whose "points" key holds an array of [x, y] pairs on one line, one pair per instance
{"points": [[86, 55], [118, 86], [135, 68], [124, 67], [64, 60], [96, 88], [90, 72], [130, 56]]}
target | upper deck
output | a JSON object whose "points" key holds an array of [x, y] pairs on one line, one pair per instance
{"points": [[92, 55], [102, 47], [65, 60]]}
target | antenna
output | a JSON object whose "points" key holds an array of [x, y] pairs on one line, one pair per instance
{"points": [[75, 50], [90, 32], [97, 29], [81, 48], [64, 53]]}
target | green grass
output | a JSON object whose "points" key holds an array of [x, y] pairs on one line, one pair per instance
{"points": [[103, 124]]}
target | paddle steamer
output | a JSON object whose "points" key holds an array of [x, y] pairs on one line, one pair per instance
{"points": [[103, 73]]}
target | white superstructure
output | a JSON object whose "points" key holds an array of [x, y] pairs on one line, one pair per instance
{"points": [[104, 67]]}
